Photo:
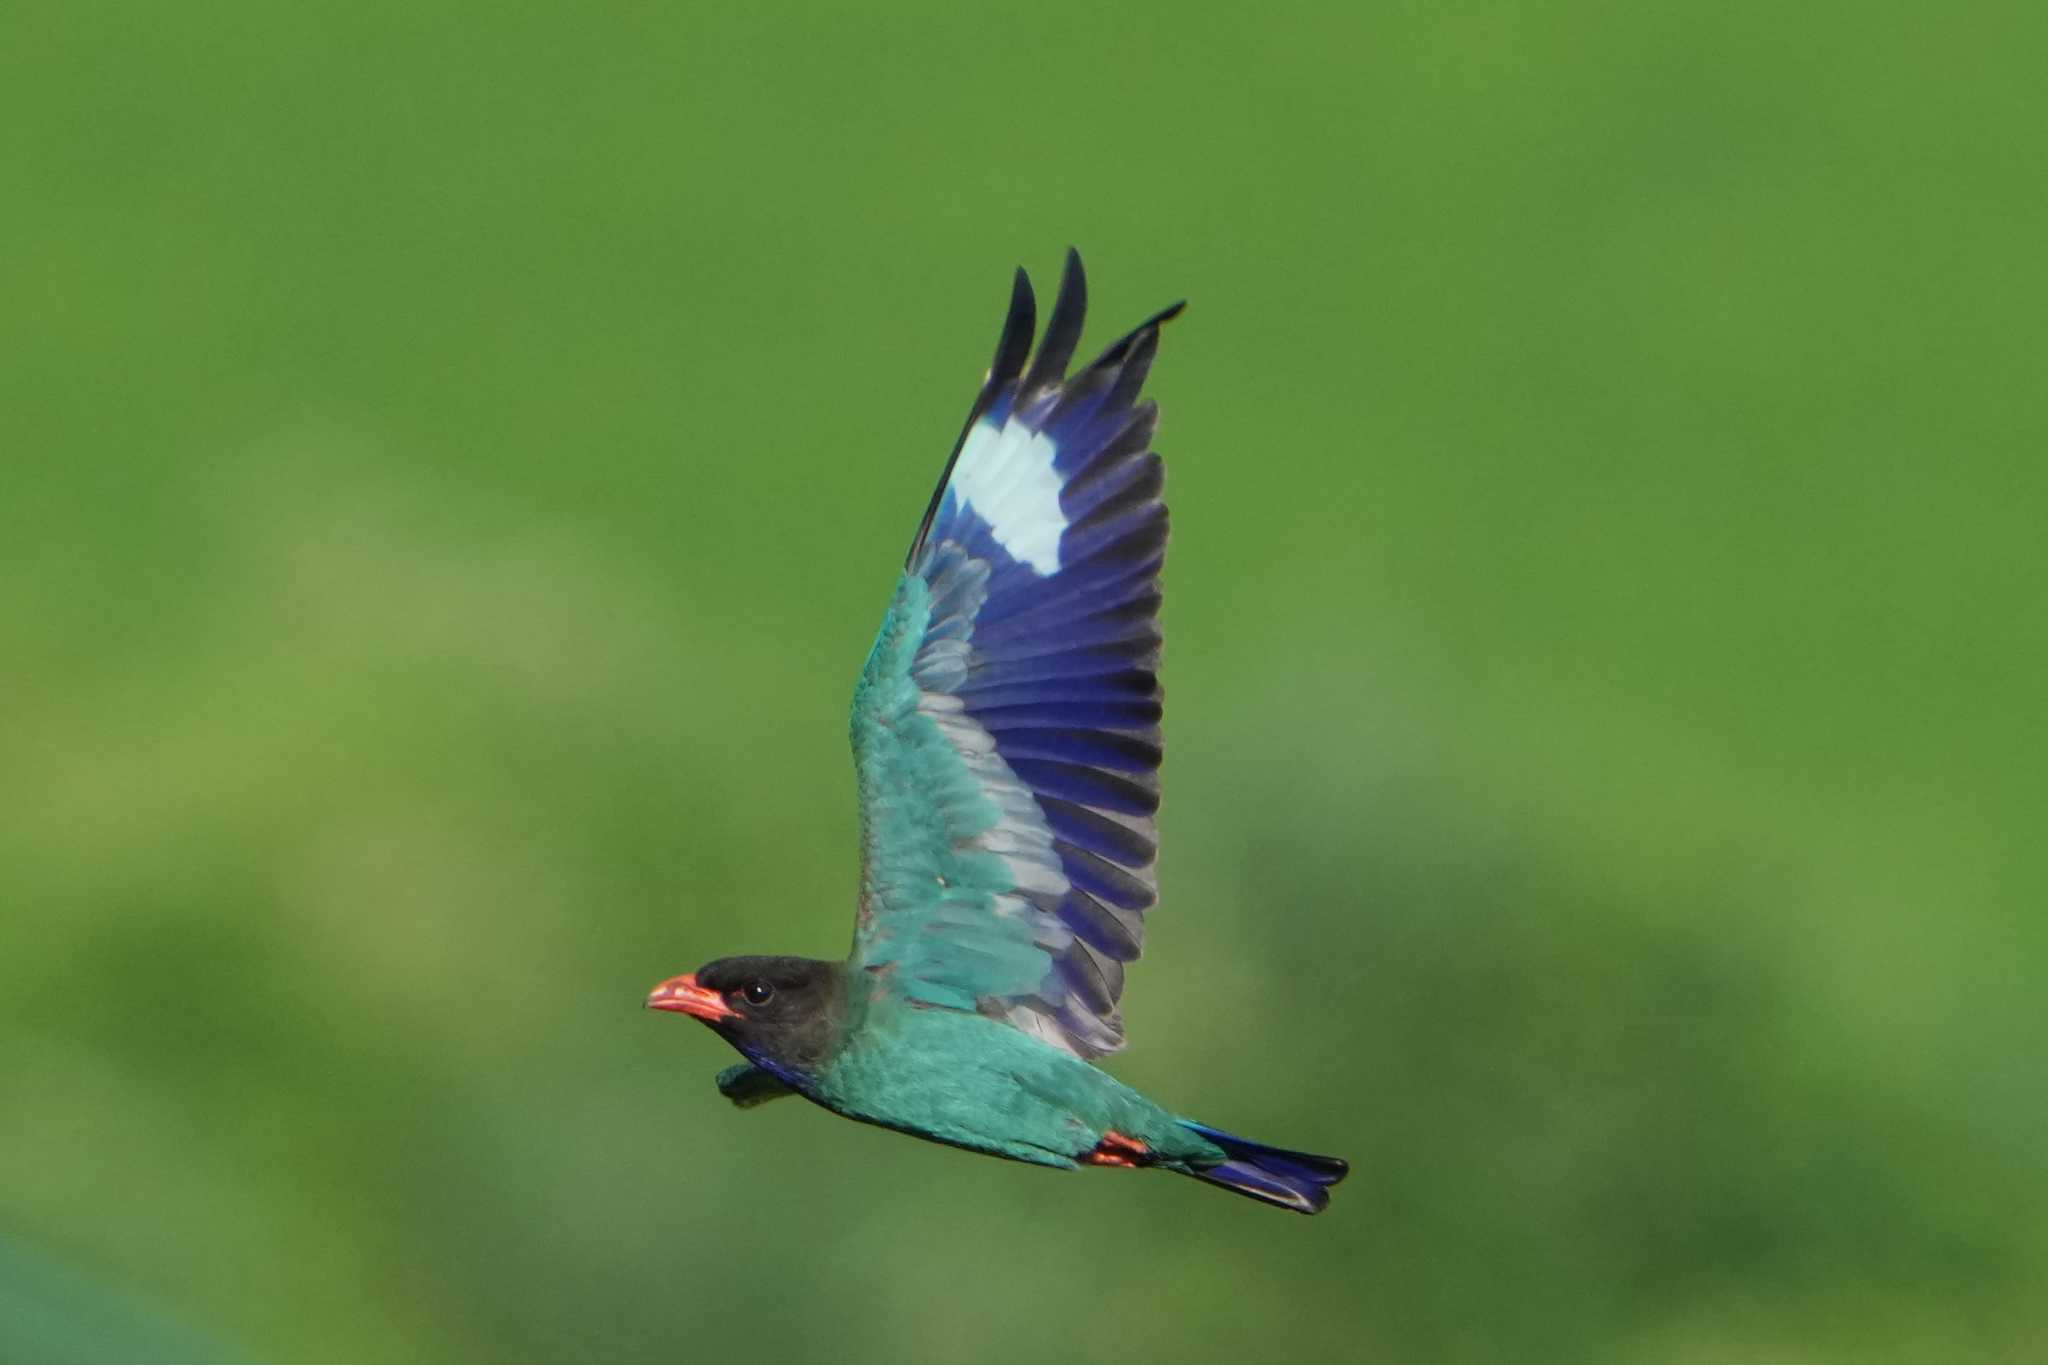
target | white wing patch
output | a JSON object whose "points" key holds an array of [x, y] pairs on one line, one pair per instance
{"points": [[1006, 475]]}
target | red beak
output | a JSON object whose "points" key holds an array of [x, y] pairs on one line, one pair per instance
{"points": [[683, 995]]}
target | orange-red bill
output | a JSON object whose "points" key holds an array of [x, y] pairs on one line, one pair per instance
{"points": [[683, 995]]}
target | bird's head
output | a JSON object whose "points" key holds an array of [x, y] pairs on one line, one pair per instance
{"points": [[783, 1013]]}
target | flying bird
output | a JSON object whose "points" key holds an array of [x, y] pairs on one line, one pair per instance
{"points": [[1006, 746]]}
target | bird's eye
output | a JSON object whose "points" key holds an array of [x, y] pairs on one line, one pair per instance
{"points": [[758, 992]]}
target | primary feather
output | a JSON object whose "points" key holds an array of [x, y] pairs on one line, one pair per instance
{"points": [[1006, 727]]}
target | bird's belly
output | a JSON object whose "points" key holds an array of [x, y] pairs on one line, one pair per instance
{"points": [[974, 1083]]}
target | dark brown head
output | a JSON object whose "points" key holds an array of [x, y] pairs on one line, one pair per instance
{"points": [[784, 1014]]}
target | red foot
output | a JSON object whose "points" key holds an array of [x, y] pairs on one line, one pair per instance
{"points": [[1117, 1150]]}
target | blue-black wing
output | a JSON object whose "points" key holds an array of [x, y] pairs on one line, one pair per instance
{"points": [[1006, 728]]}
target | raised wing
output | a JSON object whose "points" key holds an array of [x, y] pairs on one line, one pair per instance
{"points": [[1006, 727]]}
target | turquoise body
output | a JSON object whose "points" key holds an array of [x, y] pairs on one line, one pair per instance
{"points": [[976, 1083]]}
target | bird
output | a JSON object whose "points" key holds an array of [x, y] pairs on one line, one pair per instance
{"points": [[1006, 743]]}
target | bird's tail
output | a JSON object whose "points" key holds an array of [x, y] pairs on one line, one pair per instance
{"points": [[1294, 1180]]}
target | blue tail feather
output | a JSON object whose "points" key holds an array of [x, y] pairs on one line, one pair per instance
{"points": [[1295, 1180]]}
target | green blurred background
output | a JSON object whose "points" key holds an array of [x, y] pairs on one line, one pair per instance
{"points": [[455, 458]]}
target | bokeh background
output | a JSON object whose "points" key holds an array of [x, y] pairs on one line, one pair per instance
{"points": [[452, 461]]}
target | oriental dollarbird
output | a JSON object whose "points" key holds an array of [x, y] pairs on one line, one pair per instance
{"points": [[1006, 746]]}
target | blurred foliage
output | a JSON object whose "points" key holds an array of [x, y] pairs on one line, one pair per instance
{"points": [[455, 457], [50, 1315]]}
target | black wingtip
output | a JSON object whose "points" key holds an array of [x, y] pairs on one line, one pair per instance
{"points": [[1122, 346], [1062, 330], [1132, 367], [1013, 347]]}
